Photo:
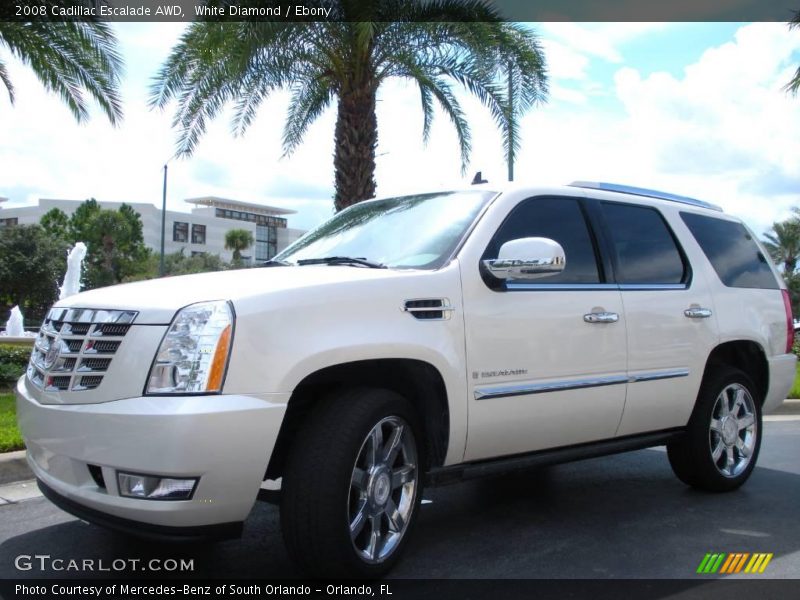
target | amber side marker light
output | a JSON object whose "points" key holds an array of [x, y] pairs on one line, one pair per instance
{"points": [[219, 361]]}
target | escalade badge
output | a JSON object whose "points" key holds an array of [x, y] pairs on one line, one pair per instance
{"points": [[53, 352]]}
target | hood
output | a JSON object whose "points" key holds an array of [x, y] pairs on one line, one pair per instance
{"points": [[157, 300]]}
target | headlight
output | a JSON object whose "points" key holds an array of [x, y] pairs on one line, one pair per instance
{"points": [[193, 355]]}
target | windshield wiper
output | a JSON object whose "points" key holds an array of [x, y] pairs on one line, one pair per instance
{"points": [[341, 260], [276, 263]]}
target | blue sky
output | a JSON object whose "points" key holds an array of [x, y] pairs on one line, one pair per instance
{"points": [[692, 108]]}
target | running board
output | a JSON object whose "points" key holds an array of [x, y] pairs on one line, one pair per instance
{"points": [[541, 458]]}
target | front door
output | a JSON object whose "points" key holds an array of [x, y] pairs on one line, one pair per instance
{"points": [[546, 360]]}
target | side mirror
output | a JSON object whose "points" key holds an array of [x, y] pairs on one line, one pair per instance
{"points": [[527, 258]]}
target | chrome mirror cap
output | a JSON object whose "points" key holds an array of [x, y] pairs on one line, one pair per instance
{"points": [[527, 258]]}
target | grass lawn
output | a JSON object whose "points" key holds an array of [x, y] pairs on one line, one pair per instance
{"points": [[795, 391], [10, 438]]}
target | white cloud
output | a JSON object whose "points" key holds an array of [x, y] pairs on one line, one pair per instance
{"points": [[564, 62], [601, 40], [725, 130]]}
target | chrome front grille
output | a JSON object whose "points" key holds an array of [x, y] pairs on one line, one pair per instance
{"points": [[75, 347]]}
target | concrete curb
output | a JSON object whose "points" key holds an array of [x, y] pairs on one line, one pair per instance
{"points": [[14, 467], [789, 407]]}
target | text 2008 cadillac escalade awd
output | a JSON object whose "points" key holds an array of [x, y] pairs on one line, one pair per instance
{"points": [[411, 341]]}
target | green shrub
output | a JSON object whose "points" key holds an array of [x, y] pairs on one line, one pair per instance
{"points": [[794, 393], [10, 437], [13, 360]]}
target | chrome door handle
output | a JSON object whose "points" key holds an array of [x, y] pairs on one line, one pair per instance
{"points": [[695, 312], [601, 317]]}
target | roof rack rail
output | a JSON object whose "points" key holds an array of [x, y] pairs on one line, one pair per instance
{"points": [[637, 191]]}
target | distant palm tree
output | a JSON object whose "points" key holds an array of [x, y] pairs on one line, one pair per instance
{"points": [[794, 85], [344, 60], [783, 244], [238, 240], [70, 59]]}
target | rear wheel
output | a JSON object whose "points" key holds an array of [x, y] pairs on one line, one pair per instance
{"points": [[352, 485], [723, 437]]}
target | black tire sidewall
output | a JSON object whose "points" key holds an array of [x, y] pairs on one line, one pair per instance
{"points": [[353, 414], [707, 476]]}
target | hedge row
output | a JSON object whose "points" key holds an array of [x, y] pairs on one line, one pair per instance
{"points": [[13, 360]]}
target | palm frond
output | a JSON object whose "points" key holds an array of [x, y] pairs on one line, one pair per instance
{"points": [[308, 102], [215, 63], [426, 101], [7, 81], [71, 59], [482, 57], [794, 84], [217, 59], [443, 93]]}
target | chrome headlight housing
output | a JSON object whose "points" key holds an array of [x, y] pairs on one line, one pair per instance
{"points": [[193, 356]]}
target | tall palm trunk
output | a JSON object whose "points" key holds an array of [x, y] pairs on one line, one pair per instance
{"points": [[355, 140]]}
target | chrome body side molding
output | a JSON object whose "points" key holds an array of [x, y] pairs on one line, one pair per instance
{"points": [[525, 389], [656, 375]]}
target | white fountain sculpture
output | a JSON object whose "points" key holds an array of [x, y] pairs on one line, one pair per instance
{"points": [[72, 285], [14, 326], [72, 278]]}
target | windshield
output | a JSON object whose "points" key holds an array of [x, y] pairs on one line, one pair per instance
{"points": [[415, 232]]}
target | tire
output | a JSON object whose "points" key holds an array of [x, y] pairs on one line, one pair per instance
{"points": [[721, 445], [335, 483]]}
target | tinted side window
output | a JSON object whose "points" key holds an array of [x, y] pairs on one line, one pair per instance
{"points": [[732, 252], [560, 219], [645, 249]]}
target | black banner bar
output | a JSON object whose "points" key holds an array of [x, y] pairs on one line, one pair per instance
{"points": [[330, 10], [401, 589]]}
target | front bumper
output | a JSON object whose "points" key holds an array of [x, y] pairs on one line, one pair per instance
{"points": [[224, 440]]}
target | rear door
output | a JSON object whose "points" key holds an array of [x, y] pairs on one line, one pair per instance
{"points": [[669, 313]]}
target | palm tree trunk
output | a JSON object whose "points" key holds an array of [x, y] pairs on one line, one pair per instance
{"points": [[355, 140]]}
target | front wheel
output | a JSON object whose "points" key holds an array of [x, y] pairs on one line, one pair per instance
{"points": [[352, 485], [723, 437]]}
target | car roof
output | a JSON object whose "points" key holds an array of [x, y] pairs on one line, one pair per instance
{"points": [[617, 189]]}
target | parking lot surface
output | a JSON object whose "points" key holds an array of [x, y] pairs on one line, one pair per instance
{"points": [[624, 516]]}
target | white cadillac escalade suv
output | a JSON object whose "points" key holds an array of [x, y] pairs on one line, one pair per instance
{"points": [[411, 341]]}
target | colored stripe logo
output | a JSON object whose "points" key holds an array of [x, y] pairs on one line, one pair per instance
{"points": [[735, 562]]}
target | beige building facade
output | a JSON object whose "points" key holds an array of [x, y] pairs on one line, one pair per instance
{"points": [[202, 230]]}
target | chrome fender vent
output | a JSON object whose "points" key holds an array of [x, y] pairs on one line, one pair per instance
{"points": [[429, 309]]}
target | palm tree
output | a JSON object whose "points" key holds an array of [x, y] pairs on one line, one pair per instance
{"points": [[70, 59], [238, 240], [783, 244], [344, 60], [794, 85]]}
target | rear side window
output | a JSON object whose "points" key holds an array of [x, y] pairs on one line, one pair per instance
{"points": [[732, 251], [646, 252]]}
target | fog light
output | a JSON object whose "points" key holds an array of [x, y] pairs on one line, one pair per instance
{"points": [[153, 487]]}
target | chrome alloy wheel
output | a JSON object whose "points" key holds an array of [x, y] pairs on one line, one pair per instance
{"points": [[733, 430], [383, 489]]}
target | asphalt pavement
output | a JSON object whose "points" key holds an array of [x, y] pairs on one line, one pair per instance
{"points": [[624, 516]]}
